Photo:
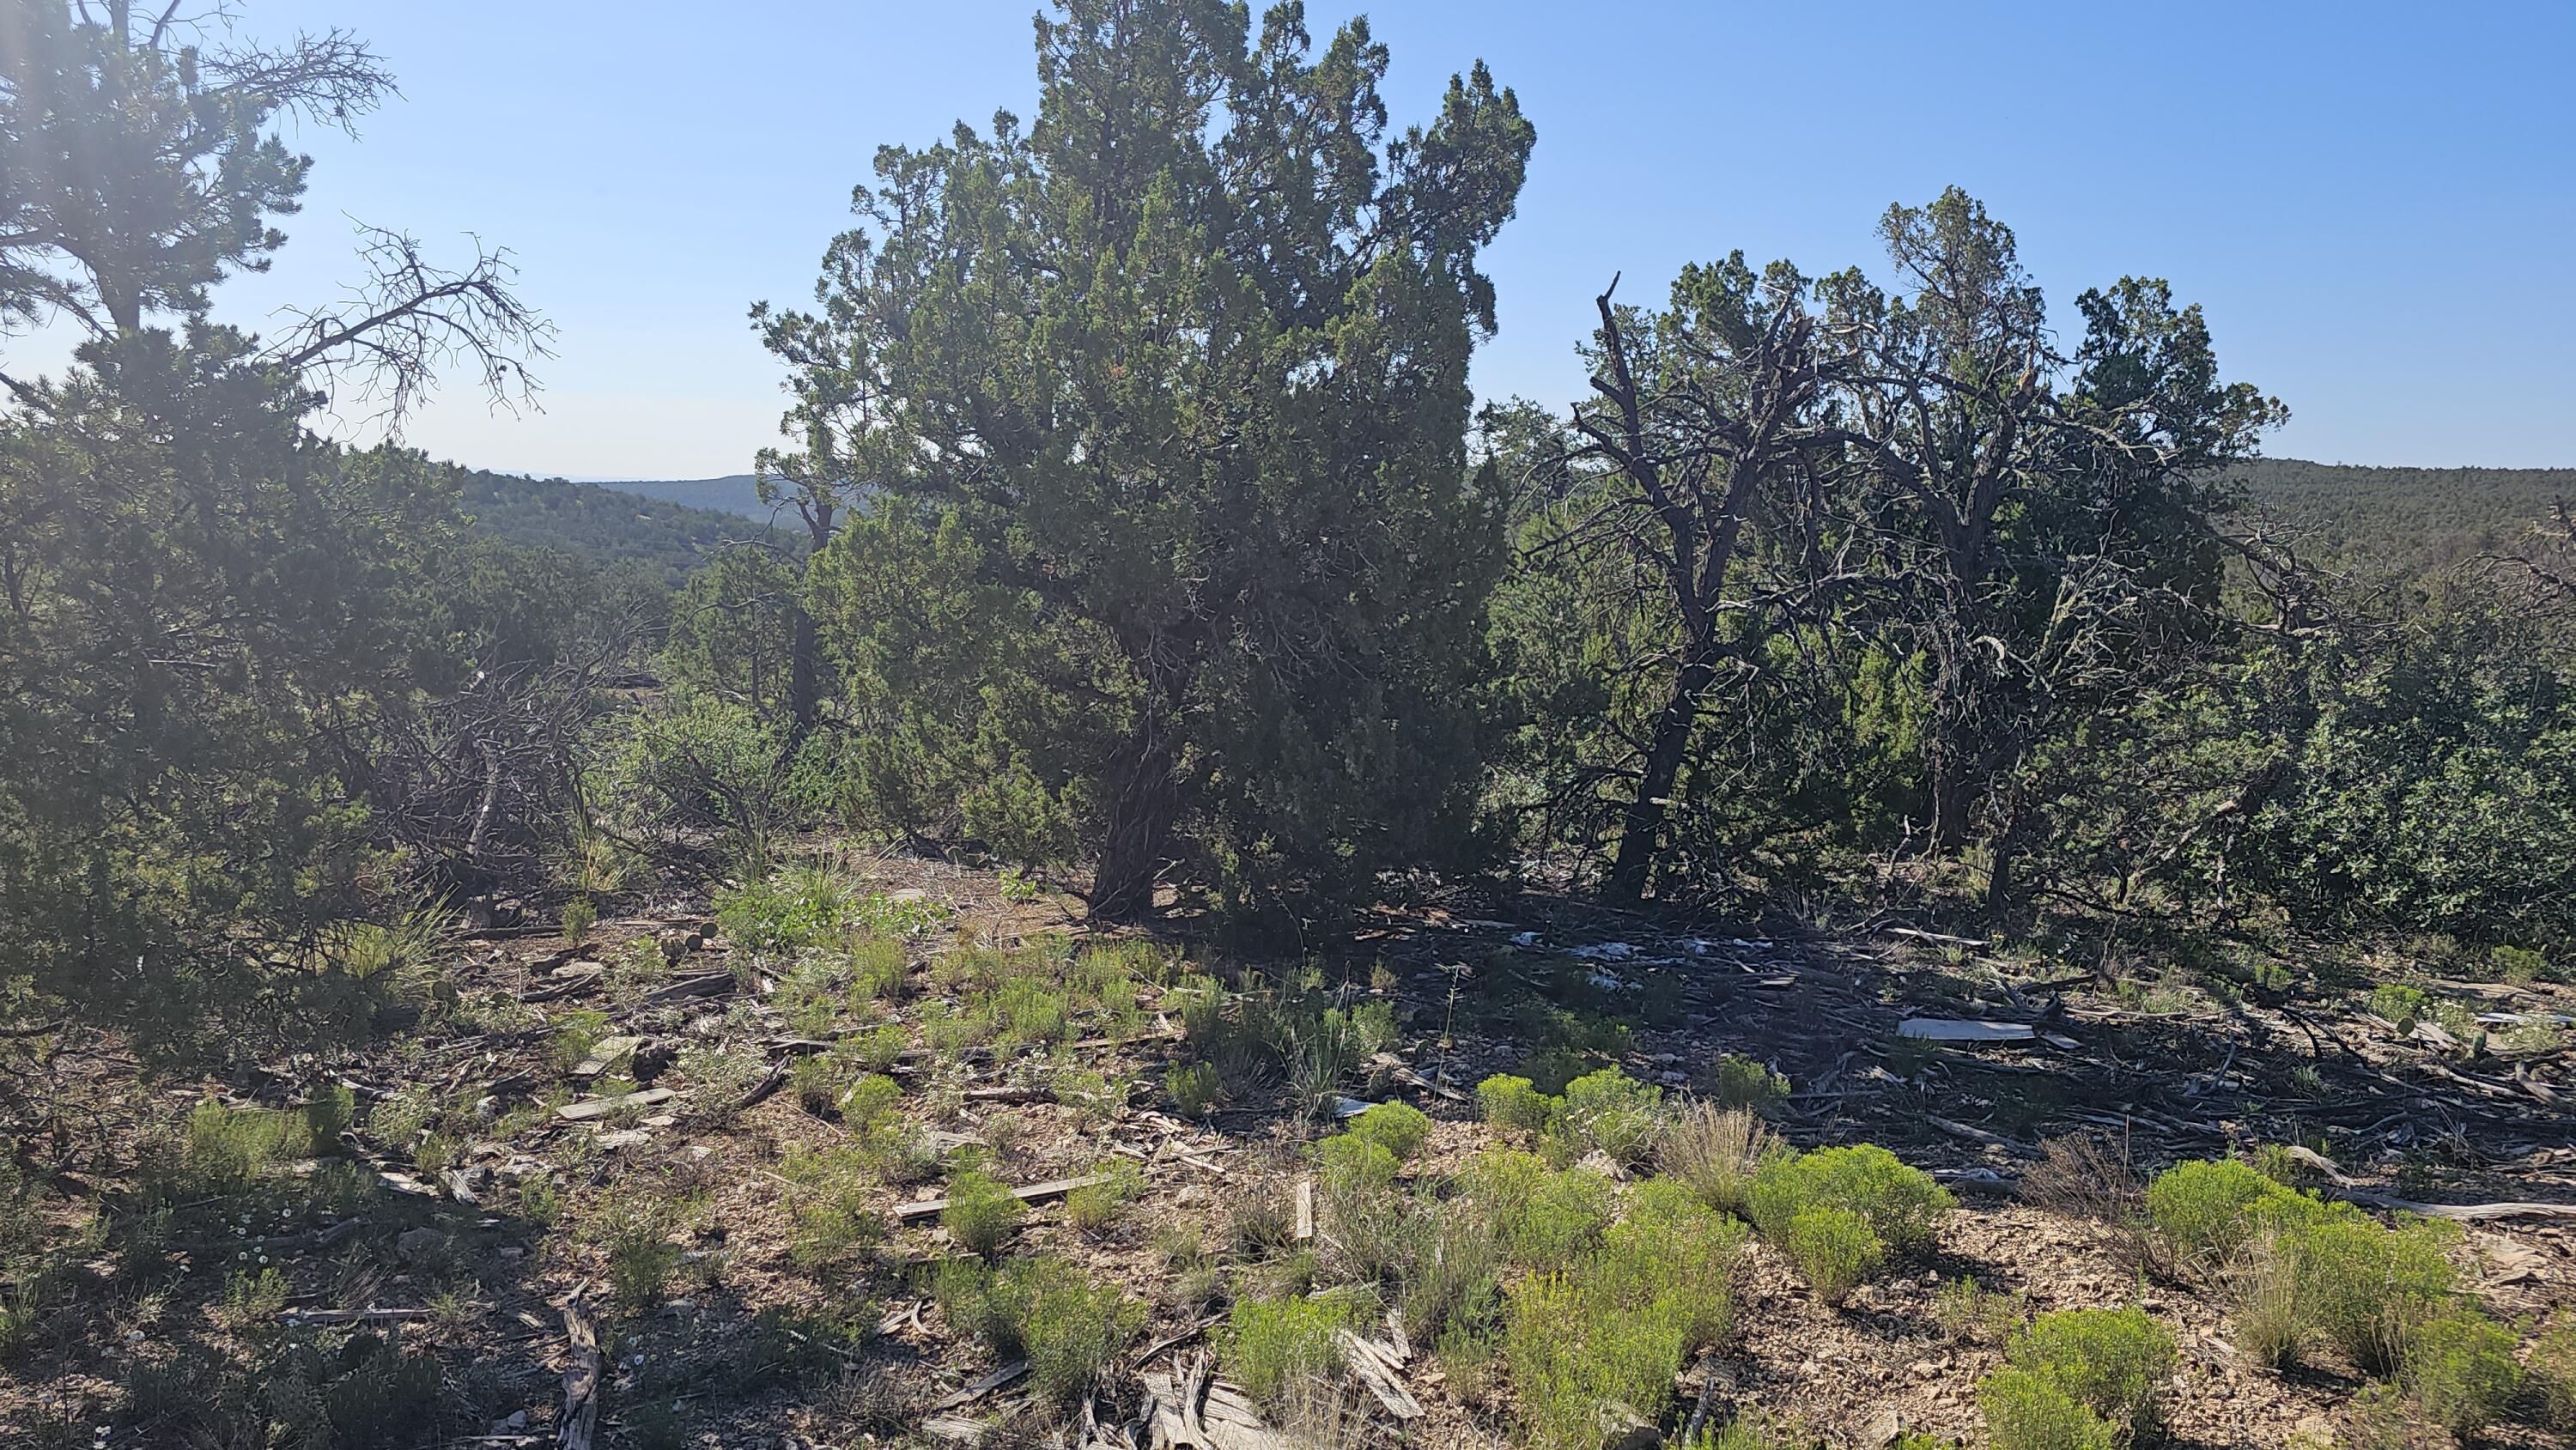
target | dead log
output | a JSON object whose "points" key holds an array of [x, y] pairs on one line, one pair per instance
{"points": [[580, 1419]]}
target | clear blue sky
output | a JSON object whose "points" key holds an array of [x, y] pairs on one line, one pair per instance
{"points": [[2374, 202]]}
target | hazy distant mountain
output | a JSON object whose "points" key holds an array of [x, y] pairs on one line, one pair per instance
{"points": [[733, 494], [602, 524]]}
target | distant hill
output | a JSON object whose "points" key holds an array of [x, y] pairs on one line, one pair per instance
{"points": [[733, 494], [2405, 518], [601, 524]]}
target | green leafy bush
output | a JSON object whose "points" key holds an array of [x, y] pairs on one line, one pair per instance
{"points": [[1400, 1128], [2024, 1411], [1835, 1250], [1543, 1216], [1348, 1162], [2553, 1370], [2399, 1003], [2212, 1209], [1668, 1242], [982, 1213], [1275, 1345], [1512, 1102], [1902, 1204], [2461, 1370], [1581, 1362], [830, 1215], [2365, 1287], [2112, 1361], [1737, 1081], [1611, 1113]]}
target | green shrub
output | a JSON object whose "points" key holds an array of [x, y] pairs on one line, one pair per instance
{"points": [[1835, 1250], [1542, 1216], [2365, 1287], [1716, 1151], [635, 1231], [1738, 1081], [2024, 1411], [1348, 1162], [1902, 1204], [1044, 1309], [1611, 1113], [1275, 1345], [1400, 1128], [1511, 1102], [1581, 1362], [870, 1101], [2399, 1003], [816, 1082], [2112, 1361], [2553, 1369], [1193, 1088], [982, 1213], [1671, 1243], [830, 1219], [2460, 1369], [2213, 1209], [2520, 966], [1096, 1206]]}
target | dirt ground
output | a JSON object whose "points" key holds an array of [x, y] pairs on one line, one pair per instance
{"points": [[448, 1262]]}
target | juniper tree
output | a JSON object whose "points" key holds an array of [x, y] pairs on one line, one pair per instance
{"points": [[1185, 360]]}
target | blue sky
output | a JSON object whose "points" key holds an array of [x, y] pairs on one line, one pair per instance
{"points": [[2375, 203]]}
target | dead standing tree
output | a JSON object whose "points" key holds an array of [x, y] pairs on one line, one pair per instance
{"points": [[1701, 408]]}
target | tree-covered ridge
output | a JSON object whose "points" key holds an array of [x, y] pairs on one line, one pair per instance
{"points": [[598, 523], [2403, 519], [735, 493]]}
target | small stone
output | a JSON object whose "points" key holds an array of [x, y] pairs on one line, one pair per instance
{"points": [[415, 1242]]}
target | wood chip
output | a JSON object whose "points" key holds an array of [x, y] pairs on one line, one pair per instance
{"points": [[605, 1054], [982, 1385]]}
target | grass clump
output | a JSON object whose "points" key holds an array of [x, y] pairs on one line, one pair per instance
{"points": [[2553, 1372], [831, 1218], [1046, 1310], [1096, 1206], [1193, 1088], [1902, 1204], [1274, 1346], [982, 1212], [1716, 1151]]}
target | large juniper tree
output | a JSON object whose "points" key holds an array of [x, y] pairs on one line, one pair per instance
{"points": [[1185, 363]]}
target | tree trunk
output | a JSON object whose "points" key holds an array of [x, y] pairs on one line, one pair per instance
{"points": [[1145, 804], [1954, 790], [1642, 828], [804, 676]]}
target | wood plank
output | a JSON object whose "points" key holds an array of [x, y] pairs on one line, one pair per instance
{"points": [[589, 1108], [1034, 1193]]}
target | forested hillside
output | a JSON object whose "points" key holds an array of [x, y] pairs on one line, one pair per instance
{"points": [[737, 493], [2405, 519], [601, 524]]}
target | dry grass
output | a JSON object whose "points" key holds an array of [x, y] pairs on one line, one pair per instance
{"points": [[1715, 1151]]}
